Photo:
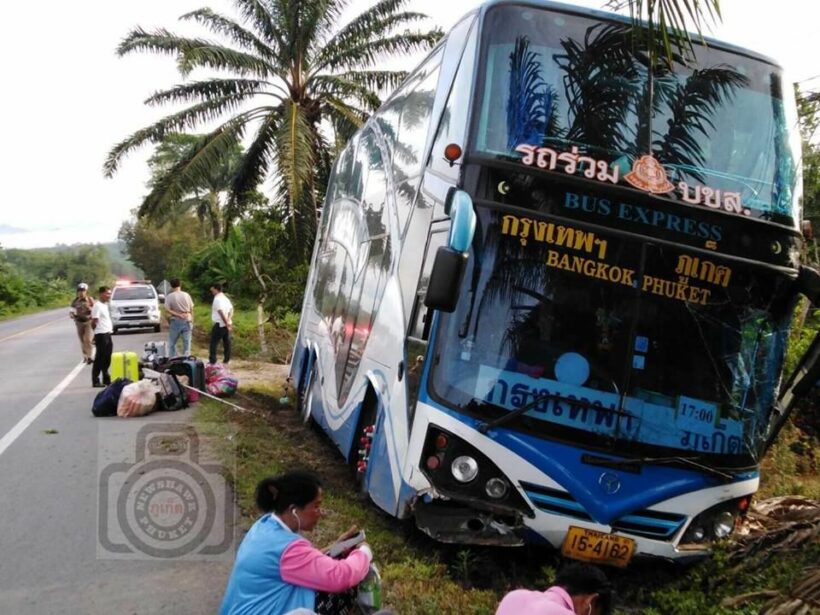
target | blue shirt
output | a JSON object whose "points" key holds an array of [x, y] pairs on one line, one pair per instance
{"points": [[256, 586]]}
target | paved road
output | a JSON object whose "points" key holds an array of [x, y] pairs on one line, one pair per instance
{"points": [[71, 536]]}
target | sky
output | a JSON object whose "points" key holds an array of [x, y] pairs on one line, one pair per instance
{"points": [[68, 99]]}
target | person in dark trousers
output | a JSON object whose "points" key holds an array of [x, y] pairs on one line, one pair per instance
{"points": [[103, 328], [221, 316]]}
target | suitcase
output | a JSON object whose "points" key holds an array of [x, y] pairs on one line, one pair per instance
{"points": [[125, 365], [186, 366]]}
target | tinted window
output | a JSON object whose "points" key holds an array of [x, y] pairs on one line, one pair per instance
{"points": [[132, 293], [723, 127], [453, 126]]}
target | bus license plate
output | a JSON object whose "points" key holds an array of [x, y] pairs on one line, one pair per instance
{"points": [[592, 546]]}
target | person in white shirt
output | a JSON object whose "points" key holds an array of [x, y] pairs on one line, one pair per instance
{"points": [[103, 328], [222, 317]]}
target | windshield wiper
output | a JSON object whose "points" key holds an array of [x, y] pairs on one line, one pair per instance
{"points": [[688, 461], [583, 403]]}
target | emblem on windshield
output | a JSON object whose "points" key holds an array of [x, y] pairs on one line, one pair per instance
{"points": [[647, 174], [610, 483]]}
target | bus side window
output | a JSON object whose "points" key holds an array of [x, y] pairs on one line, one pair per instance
{"points": [[453, 125], [414, 120], [421, 319]]}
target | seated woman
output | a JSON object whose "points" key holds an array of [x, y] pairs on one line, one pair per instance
{"points": [[276, 570]]}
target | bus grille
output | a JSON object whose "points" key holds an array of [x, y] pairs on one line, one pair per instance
{"points": [[648, 523]]}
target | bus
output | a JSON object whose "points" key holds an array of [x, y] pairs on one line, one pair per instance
{"points": [[552, 288]]}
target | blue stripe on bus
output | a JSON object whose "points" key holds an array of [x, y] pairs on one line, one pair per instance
{"points": [[562, 463]]}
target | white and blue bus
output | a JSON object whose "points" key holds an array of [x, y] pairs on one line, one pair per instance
{"points": [[552, 288]]}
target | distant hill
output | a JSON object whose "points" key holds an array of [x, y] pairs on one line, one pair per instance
{"points": [[118, 262]]}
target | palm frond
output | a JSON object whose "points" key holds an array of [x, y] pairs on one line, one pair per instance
{"points": [[183, 121], [194, 53], [669, 18], [345, 118], [219, 24], [367, 54], [256, 163], [372, 24], [257, 13], [345, 88], [692, 110], [183, 178], [376, 79], [531, 102], [203, 91], [294, 149], [600, 80]]}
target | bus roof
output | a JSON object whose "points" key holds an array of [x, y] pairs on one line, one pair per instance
{"points": [[599, 14]]}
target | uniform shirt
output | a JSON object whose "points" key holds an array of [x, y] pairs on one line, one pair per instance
{"points": [[180, 302], [82, 308], [221, 302], [554, 601], [103, 316]]}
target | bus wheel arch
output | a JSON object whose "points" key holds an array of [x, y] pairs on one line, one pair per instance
{"points": [[363, 436], [305, 392]]}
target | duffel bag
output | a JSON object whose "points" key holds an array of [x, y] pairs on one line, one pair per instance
{"points": [[105, 403]]}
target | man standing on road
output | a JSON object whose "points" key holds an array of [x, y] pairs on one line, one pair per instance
{"points": [[80, 313], [222, 317], [103, 328], [180, 308]]}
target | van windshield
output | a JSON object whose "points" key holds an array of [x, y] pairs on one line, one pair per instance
{"points": [[132, 293]]}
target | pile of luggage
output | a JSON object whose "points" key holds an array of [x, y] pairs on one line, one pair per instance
{"points": [[141, 385]]}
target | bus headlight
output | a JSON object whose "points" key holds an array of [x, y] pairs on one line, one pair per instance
{"points": [[496, 488], [464, 468], [723, 524]]}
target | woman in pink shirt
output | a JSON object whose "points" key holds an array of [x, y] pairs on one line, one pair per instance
{"points": [[580, 589], [278, 571]]}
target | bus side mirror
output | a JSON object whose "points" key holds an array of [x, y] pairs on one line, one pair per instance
{"points": [[451, 260], [445, 279], [459, 206]]}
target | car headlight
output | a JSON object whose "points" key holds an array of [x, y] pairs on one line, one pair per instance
{"points": [[464, 468], [496, 488], [715, 523], [723, 524]]}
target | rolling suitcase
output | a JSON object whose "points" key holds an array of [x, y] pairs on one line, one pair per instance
{"points": [[125, 365], [187, 366]]}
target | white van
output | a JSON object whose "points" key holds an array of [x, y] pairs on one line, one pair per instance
{"points": [[134, 304]]}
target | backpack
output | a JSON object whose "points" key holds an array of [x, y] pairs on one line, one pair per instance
{"points": [[105, 403], [172, 395]]}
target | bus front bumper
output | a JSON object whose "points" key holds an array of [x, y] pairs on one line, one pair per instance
{"points": [[450, 521]]}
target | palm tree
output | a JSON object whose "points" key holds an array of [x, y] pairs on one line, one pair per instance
{"points": [[666, 22], [291, 72], [173, 193]]}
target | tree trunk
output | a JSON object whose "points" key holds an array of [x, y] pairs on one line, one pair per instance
{"points": [[260, 307]]}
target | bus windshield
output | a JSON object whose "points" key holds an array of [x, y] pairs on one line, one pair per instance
{"points": [[725, 131], [642, 347]]}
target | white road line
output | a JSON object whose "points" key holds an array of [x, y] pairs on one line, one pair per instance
{"points": [[32, 414]]}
